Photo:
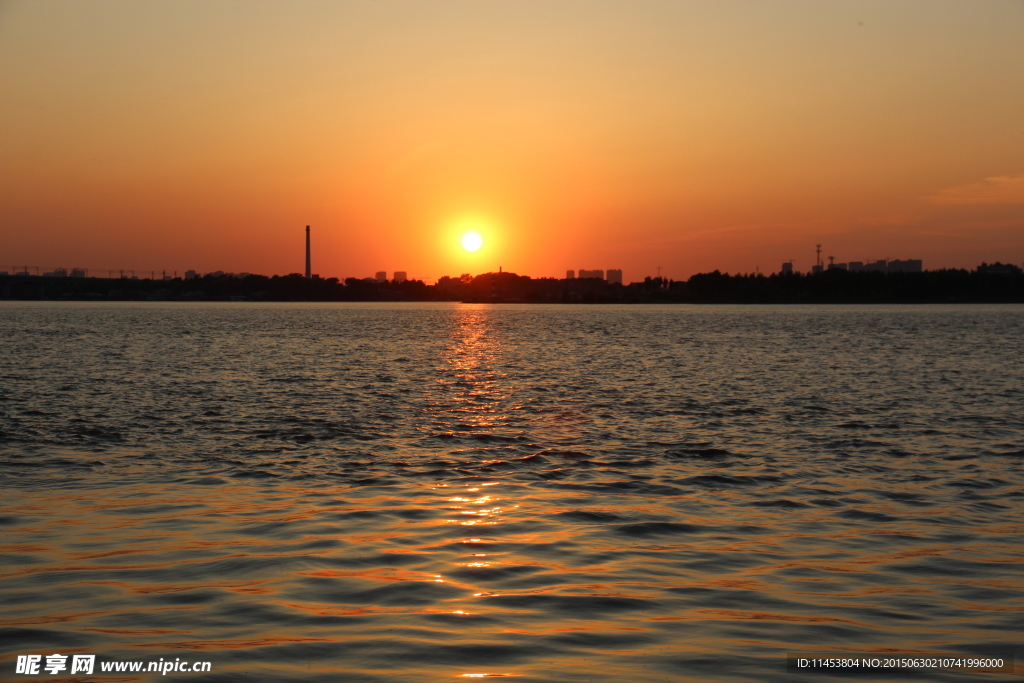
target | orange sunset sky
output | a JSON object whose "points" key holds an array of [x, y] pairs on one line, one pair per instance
{"points": [[694, 136]]}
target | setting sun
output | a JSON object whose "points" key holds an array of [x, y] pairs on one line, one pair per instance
{"points": [[472, 241]]}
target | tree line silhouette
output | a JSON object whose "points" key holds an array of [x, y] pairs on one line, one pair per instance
{"points": [[997, 283]]}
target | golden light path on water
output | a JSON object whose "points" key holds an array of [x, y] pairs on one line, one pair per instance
{"points": [[438, 493]]}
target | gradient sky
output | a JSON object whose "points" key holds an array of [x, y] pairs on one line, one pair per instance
{"points": [[688, 135]]}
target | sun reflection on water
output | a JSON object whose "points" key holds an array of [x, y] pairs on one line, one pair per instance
{"points": [[476, 392]]}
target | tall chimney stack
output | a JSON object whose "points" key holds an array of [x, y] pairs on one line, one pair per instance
{"points": [[309, 272]]}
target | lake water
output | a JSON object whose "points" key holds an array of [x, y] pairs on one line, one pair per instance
{"points": [[438, 492]]}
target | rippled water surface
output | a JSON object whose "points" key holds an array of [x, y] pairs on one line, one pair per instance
{"points": [[367, 492]]}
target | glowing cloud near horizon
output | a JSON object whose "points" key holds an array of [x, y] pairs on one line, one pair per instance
{"points": [[472, 241]]}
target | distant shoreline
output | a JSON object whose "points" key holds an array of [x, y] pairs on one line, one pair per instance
{"points": [[988, 284]]}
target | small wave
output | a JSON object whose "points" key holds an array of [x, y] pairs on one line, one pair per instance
{"points": [[588, 516], [782, 503], [644, 529], [867, 516], [720, 480]]}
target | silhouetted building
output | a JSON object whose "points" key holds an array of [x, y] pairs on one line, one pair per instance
{"points": [[861, 267], [570, 275], [837, 266], [191, 275], [817, 267], [615, 276], [400, 276], [883, 266], [787, 268], [599, 274], [908, 266], [77, 272], [381, 276], [998, 268]]}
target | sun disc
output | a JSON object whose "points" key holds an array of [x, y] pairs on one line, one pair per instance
{"points": [[471, 241]]}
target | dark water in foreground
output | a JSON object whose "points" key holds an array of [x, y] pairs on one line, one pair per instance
{"points": [[422, 492]]}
